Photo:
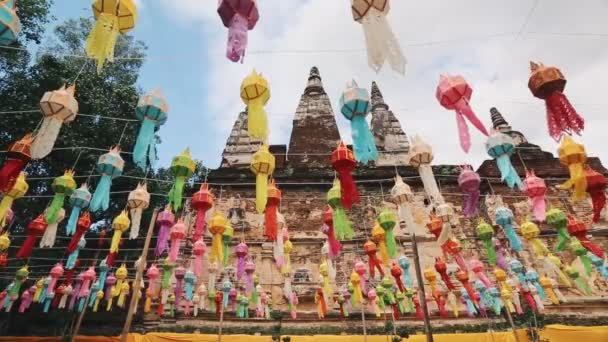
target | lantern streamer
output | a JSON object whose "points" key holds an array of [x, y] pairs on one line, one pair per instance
{"points": [[110, 165]]}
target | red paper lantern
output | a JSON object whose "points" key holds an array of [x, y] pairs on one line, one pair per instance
{"points": [[578, 229], [270, 217], [370, 249], [18, 156], [442, 269], [202, 201], [82, 226], [596, 188], [343, 161], [35, 229]]}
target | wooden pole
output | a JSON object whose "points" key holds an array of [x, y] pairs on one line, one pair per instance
{"points": [[511, 323], [138, 276], [219, 335], [427, 321], [363, 320]]}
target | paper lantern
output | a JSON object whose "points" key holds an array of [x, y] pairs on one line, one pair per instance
{"points": [[152, 110], [556, 268], [57, 107], [402, 196], [202, 201], [518, 269], [165, 220], [579, 281], [578, 229], [321, 304], [18, 189], [465, 295], [5, 243], [548, 83], [469, 182], [110, 166], [536, 189], [216, 228], [379, 238], [227, 236], [431, 277], [198, 250], [324, 272], [381, 42], [111, 18], [79, 200], [255, 93], [463, 277], [341, 222], [287, 248], [500, 147], [138, 201], [35, 229], [179, 274], [262, 165], [27, 297], [504, 219], [14, 288], [343, 161], [420, 157], [374, 263], [10, 25], [573, 155], [486, 301], [387, 220], [547, 286], [599, 263], [18, 156], [153, 273], [558, 220], [328, 229], [120, 224], [71, 262], [241, 252], [82, 226], [442, 231], [596, 188], [442, 269], [238, 16], [581, 253], [359, 268], [178, 233], [396, 272], [48, 239], [485, 232], [182, 168], [454, 93], [355, 106], [404, 263], [477, 267], [272, 206], [62, 186], [531, 232]]}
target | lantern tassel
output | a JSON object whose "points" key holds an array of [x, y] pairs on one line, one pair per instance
{"points": [[101, 197], [279, 251], [70, 228], [145, 144], [9, 173], [430, 184], [270, 220], [261, 191], [491, 253], [539, 207], [5, 205], [470, 204], [561, 116], [102, 39], [237, 38], [46, 137], [350, 194], [384, 255], [577, 180], [136, 214], [199, 226], [391, 244], [342, 224], [463, 132], [26, 249], [508, 172], [381, 42], [53, 210], [216, 248], [177, 192], [49, 236], [598, 199], [162, 243], [71, 263], [363, 141], [257, 121]]}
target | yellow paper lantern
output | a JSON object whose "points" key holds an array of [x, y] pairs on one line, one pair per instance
{"points": [[18, 190], [120, 225], [262, 165], [255, 93], [573, 155], [216, 228]]}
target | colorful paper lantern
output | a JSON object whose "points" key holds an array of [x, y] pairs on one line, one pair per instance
{"points": [[198, 250], [596, 188], [55, 274], [179, 274], [504, 219], [71, 262], [341, 222], [379, 238], [110, 166], [454, 93], [18, 189], [531, 232], [548, 83], [463, 277], [500, 146], [343, 161], [241, 252], [573, 155], [152, 110], [35, 229], [485, 232], [360, 269], [469, 182], [14, 288], [387, 220], [255, 93], [262, 165], [420, 157], [579, 281], [216, 228], [442, 231], [272, 206], [182, 168], [48, 238], [374, 263], [536, 189], [177, 233], [547, 286], [120, 224], [82, 226], [62, 186], [404, 263], [396, 272], [111, 18], [227, 236], [165, 220], [57, 107], [328, 229], [238, 16], [10, 25], [558, 220], [355, 106], [138, 201], [402, 196], [578, 229], [202, 201], [442, 269], [5, 243], [379, 37], [18, 156], [477, 267], [79, 200]]}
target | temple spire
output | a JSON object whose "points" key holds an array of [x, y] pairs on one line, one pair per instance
{"points": [[377, 98], [500, 124], [315, 84], [389, 137]]}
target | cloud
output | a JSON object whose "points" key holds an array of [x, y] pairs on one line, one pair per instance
{"points": [[478, 39]]}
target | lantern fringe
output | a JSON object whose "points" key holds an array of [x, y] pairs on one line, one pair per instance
{"points": [[145, 149], [261, 191], [50, 233], [53, 210], [26, 249], [598, 199], [577, 180], [491, 253], [101, 197], [561, 116], [71, 262], [199, 225], [177, 192], [381, 42], [225, 251], [430, 184], [270, 220], [463, 132], [136, 214], [174, 250], [257, 123], [9, 173], [334, 244], [539, 207], [342, 224], [162, 240], [216, 249], [364, 145], [102, 39], [508, 172], [384, 255], [470, 205], [391, 244], [348, 188], [237, 38], [70, 228], [5, 205], [279, 251], [198, 265], [405, 214], [45, 137]]}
